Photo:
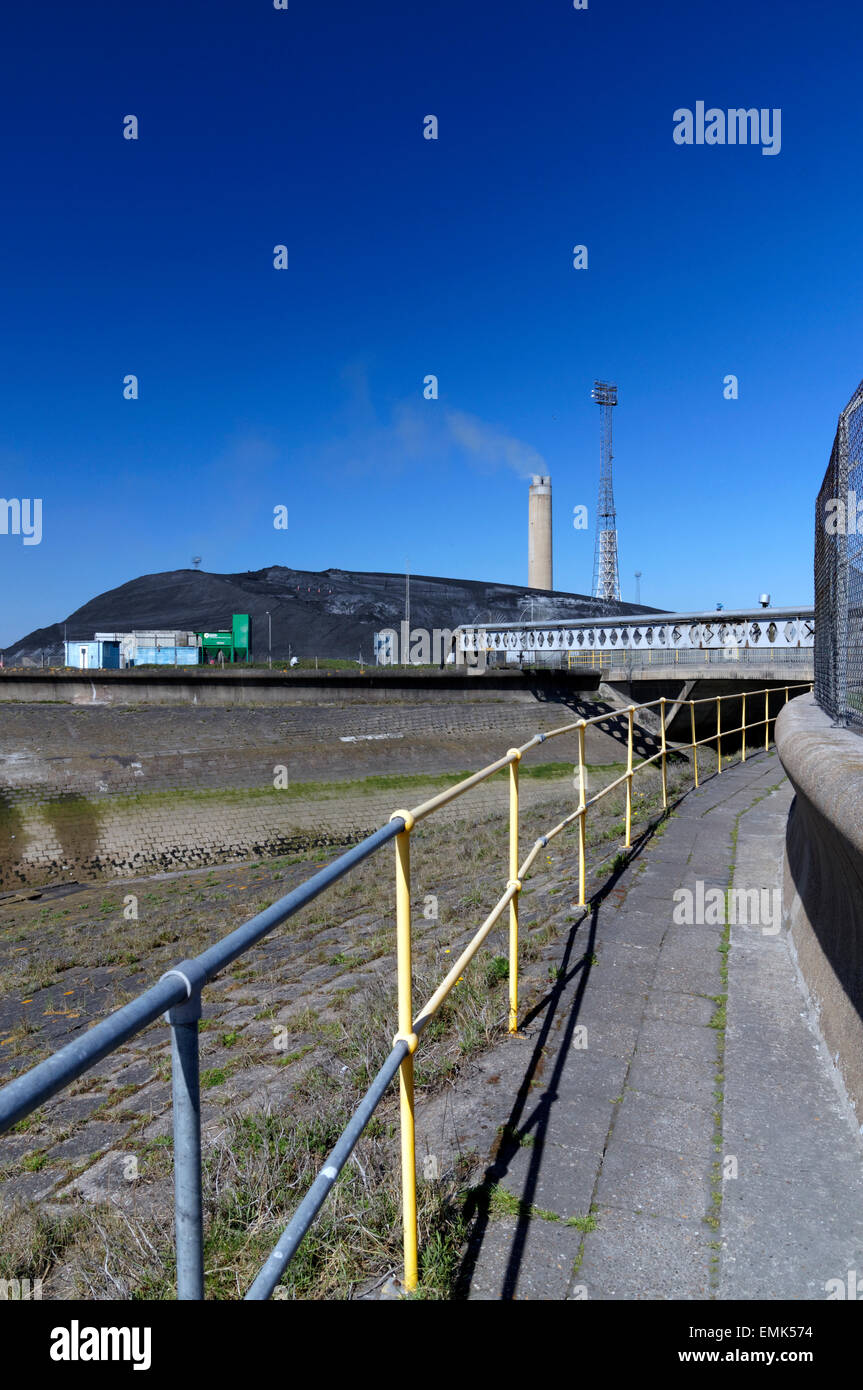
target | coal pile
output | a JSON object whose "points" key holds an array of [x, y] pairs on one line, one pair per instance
{"points": [[330, 613]]}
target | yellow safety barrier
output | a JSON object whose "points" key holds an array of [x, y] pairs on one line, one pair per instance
{"points": [[411, 1028], [603, 659]]}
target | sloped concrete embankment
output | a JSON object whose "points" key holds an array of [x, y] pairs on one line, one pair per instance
{"points": [[91, 792]]}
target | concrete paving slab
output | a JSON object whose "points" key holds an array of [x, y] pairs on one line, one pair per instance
{"points": [[665, 1123], [694, 969], [679, 1078], [653, 1181], [592, 1073], [634, 929], [632, 1257], [678, 1040], [677, 1006], [611, 1037], [571, 1116], [553, 1177], [524, 1260], [611, 1004]]}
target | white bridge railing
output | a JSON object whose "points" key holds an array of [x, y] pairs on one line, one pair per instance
{"points": [[652, 638]]}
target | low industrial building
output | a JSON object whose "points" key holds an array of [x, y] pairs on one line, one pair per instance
{"points": [[102, 654], [108, 651]]}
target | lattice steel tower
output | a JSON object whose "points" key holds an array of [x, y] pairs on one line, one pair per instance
{"points": [[606, 579]]}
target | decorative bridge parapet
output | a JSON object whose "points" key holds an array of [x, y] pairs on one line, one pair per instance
{"points": [[650, 636]]}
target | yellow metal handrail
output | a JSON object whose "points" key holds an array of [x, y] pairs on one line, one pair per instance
{"points": [[410, 1029], [604, 658]]}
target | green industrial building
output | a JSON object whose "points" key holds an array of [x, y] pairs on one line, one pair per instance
{"points": [[229, 644]]}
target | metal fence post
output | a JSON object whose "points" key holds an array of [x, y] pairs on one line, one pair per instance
{"points": [[188, 1203], [743, 726], [766, 720], [664, 777], [406, 1070], [694, 744], [513, 878], [718, 735], [582, 816], [630, 712]]}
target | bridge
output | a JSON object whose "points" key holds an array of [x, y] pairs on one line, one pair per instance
{"points": [[734, 644]]}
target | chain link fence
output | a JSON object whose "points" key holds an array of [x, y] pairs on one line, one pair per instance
{"points": [[839, 574]]}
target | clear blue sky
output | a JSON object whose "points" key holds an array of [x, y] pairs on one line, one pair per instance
{"points": [[407, 257]]}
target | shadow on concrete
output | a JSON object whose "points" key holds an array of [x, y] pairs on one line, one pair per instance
{"points": [[75, 821], [575, 968], [13, 838], [616, 725]]}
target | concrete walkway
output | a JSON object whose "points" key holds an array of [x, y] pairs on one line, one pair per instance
{"points": [[657, 1148]]}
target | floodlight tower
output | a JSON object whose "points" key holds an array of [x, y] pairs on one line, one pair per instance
{"points": [[606, 579]]}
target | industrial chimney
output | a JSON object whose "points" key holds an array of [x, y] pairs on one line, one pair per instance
{"points": [[539, 534]]}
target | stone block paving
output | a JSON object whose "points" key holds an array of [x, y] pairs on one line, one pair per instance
{"points": [[640, 1160]]}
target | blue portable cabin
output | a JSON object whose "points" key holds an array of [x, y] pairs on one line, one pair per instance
{"points": [[93, 656]]}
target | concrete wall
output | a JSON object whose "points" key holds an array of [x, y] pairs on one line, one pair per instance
{"points": [[823, 888], [249, 688]]}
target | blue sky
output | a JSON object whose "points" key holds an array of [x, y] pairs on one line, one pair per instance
{"points": [[304, 387]]}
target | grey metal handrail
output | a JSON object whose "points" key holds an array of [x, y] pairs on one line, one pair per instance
{"points": [[178, 995]]}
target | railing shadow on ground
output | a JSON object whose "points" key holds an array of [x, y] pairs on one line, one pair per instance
{"points": [[516, 1128], [645, 742], [614, 725]]}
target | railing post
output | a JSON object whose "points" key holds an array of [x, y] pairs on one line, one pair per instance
{"points": [[185, 1079], [513, 878], [718, 735], [766, 720], [664, 778], [694, 744], [786, 694], [743, 723], [582, 815], [630, 713], [406, 1070]]}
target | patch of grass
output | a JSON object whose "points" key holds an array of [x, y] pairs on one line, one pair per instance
{"points": [[290, 1057], [214, 1076], [496, 970], [582, 1223], [718, 1019]]}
